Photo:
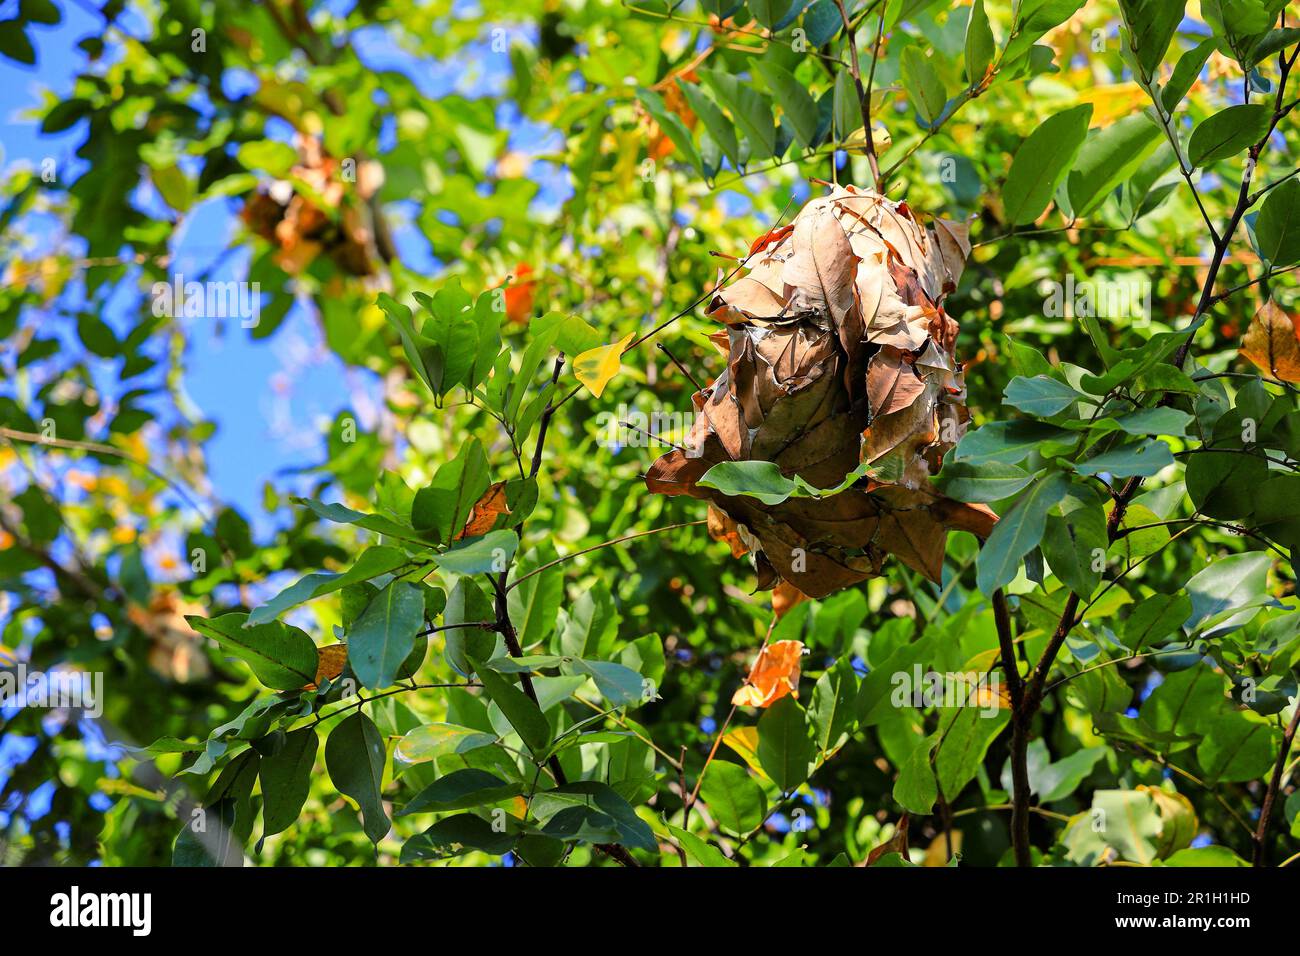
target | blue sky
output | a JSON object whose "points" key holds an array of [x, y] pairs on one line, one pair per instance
{"points": [[269, 398]]}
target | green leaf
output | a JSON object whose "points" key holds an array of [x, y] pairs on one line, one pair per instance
{"points": [[672, 126], [846, 107], [718, 126], [286, 780], [371, 564], [384, 635], [822, 22], [769, 12], [282, 657], [1277, 228], [967, 734], [1185, 73], [1154, 618], [1237, 747], [1224, 484], [354, 757], [1006, 443], [923, 85], [751, 112], [447, 502], [430, 741], [1129, 821], [452, 331], [1058, 780], [1109, 157], [1018, 532], [208, 838], [493, 552], [832, 706], [1226, 584], [1143, 458], [589, 624], [979, 46], [1228, 132], [460, 790], [1037, 17], [464, 829], [797, 106], [604, 807], [1072, 543], [1205, 856], [268, 156], [698, 850], [1185, 701], [467, 604], [617, 684], [341, 514], [524, 715], [1151, 25], [754, 479], [534, 603], [916, 790], [1155, 421], [783, 745], [420, 352], [986, 482], [1040, 396], [1041, 163], [1274, 41], [733, 797]]}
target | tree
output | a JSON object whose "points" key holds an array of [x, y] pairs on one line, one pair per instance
{"points": [[543, 602]]}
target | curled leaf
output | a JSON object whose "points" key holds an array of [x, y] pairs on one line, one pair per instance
{"points": [[774, 675], [485, 512]]}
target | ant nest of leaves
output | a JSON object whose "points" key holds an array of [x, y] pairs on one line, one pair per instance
{"points": [[842, 372]]}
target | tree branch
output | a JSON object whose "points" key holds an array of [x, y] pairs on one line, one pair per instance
{"points": [[1260, 856]]}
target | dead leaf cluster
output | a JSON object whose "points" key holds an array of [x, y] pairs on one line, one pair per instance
{"points": [[839, 358]]}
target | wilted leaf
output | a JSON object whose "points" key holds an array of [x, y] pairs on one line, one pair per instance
{"points": [[774, 675], [1273, 342]]}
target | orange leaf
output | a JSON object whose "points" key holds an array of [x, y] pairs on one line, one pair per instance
{"points": [[329, 663], [784, 598], [775, 674], [1273, 342], [485, 512]]}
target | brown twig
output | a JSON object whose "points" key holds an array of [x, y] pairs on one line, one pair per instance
{"points": [[1260, 855]]}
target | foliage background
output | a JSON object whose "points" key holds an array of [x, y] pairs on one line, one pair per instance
{"points": [[518, 155]]}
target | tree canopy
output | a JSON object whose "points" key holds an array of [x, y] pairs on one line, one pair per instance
{"points": [[832, 433]]}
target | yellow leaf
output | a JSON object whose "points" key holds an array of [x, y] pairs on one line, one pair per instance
{"points": [[595, 367], [744, 741]]}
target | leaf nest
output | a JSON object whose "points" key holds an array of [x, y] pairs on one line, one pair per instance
{"points": [[311, 213], [841, 372]]}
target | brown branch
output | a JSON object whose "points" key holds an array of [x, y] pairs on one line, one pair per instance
{"points": [[864, 92], [1260, 855]]}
